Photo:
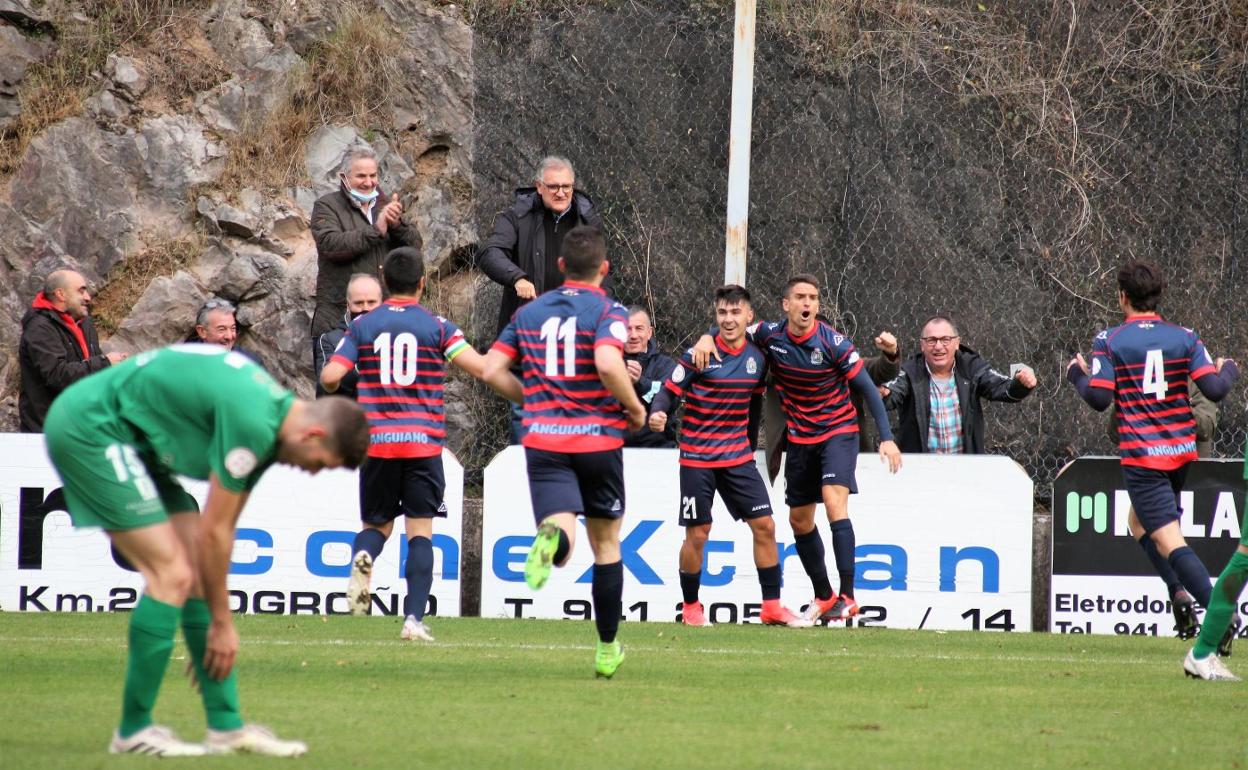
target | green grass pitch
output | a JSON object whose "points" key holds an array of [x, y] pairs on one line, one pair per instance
{"points": [[521, 694]]}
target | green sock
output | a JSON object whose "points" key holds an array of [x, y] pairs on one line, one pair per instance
{"points": [[1222, 606], [220, 697], [152, 626]]}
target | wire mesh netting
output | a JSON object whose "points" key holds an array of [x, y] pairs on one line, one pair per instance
{"points": [[995, 162]]}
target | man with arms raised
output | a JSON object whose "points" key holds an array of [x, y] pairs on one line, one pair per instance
{"points": [[402, 350], [119, 440], [1142, 367], [717, 454], [814, 367], [578, 402]]}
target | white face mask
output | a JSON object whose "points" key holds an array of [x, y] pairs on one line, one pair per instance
{"points": [[367, 197]]}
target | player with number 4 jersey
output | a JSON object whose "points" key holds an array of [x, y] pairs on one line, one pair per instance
{"points": [[717, 445], [401, 351], [578, 402], [1142, 367]]}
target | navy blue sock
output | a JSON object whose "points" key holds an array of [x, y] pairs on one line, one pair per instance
{"points": [[810, 551], [1160, 565], [561, 550], [370, 540], [608, 594], [419, 574], [843, 542], [769, 579], [1191, 571], [690, 583]]}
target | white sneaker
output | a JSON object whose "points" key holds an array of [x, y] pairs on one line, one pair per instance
{"points": [[252, 739], [358, 597], [155, 740], [1211, 669], [414, 630]]}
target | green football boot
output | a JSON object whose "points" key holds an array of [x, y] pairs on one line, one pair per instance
{"points": [[541, 555], [607, 659]]}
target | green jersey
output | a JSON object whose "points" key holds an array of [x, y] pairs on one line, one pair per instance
{"points": [[195, 409]]}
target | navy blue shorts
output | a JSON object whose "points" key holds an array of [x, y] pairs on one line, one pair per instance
{"points": [[808, 468], [589, 483], [1154, 494], [401, 486], [740, 486]]}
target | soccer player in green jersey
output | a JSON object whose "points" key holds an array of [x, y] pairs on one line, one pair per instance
{"points": [[1201, 661], [119, 439]]}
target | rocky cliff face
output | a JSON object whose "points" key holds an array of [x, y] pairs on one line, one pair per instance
{"points": [[146, 190]]}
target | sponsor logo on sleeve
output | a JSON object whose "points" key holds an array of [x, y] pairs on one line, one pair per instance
{"points": [[619, 331], [240, 462]]}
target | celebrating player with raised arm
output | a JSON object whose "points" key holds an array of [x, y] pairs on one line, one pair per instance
{"points": [[578, 400], [814, 367], [1142, 367], [717, 454], [402, 350], [118, 439]]}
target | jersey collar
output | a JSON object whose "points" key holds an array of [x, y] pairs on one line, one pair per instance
{"points": [[584, 287], [719, 342], [401, 301], [789, 331]]}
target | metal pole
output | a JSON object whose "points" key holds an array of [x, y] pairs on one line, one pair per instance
{"points": [[739, 144]]}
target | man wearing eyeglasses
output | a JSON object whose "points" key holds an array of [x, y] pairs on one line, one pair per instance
{"points": [[216, 323], [522, 253], [937, 393]]}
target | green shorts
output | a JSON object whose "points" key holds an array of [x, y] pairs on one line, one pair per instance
{"points": [[109, 481]]}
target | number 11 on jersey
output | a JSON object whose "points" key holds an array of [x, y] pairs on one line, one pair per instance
{"points": [[552, 332]]}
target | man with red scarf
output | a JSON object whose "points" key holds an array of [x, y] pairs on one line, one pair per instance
{"points": [[59, 346]]}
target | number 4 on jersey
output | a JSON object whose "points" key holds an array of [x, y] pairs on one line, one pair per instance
{"points": [[1155, 375]]}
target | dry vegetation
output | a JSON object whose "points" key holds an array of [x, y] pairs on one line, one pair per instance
{"points": [[127, 281], [87, 32]]}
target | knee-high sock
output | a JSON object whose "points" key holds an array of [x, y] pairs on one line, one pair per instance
{"points": [[1163, 568], [419, 574], [843, 542], [152, 627], [690, 585], [1222, 605], [1192, 573], [370, 540], [220, 697], [608, 594], [769, 580], [810, 551]]}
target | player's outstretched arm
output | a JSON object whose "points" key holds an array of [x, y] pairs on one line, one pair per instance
{"points": [[496, 372], [889, 452], [1077, 373], [609, 361], [212, 561]]}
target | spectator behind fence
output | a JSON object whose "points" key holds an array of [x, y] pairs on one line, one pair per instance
{"points": [[216, 323], [363, 294], [938, 390], [647, 369], [354, 228], [523, 251], [58, 347], [522, 254]]}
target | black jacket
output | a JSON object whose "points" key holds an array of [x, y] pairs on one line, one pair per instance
{"points": [[910, 394], [517, 247], [326, 344], [655, 369], [347, 243], [51, 360]]}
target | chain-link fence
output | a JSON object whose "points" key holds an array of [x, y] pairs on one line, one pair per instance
{"points": [[992, 161]]}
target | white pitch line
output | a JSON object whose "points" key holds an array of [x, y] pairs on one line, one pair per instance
{"points": [[631, 647]]}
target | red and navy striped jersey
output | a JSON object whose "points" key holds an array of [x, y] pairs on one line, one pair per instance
{"points": [[1146, 362], [812, 374], [401, 350], [567, 408], [715, 430]]}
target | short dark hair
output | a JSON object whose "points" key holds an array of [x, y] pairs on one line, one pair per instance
{"points": [[584, 251], [939, 317], [799, 278], [732, 294], [346, 427], [1143, 284], [403, 269]]}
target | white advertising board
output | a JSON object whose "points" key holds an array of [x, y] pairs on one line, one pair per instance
{"points": [[944, 544], [292, 554]]}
